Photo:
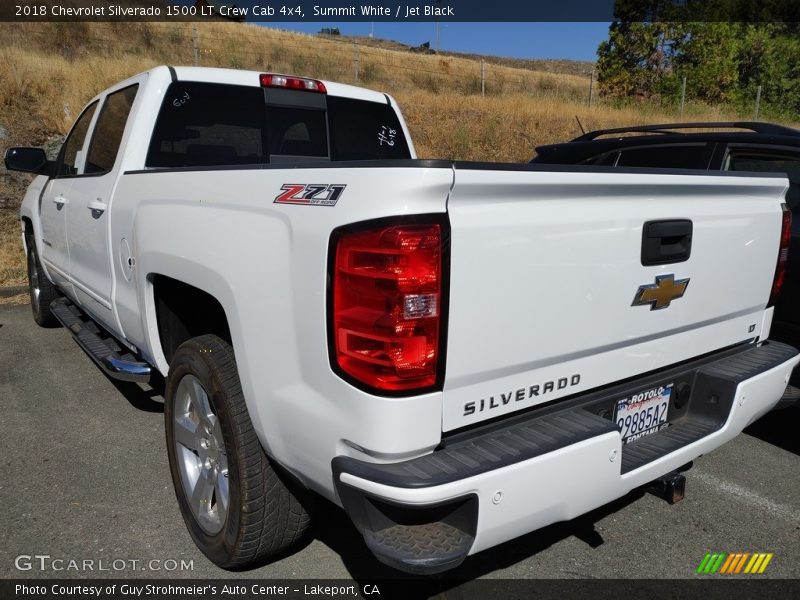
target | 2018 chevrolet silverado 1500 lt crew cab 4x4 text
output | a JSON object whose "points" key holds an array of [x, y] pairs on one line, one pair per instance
{"points": [[455, 353]]}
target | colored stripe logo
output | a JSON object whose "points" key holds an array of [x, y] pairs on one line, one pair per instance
{"points": [[735, 563]]}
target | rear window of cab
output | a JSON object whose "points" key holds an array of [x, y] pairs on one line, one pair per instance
{"points": [[209, 124]]}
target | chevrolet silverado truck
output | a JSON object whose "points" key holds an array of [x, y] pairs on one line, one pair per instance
{"points": [[455, 353]]}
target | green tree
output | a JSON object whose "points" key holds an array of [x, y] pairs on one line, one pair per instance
{"points": [[770, 58], [641, 46], [709, 59], [631, 60], [723, 62]]}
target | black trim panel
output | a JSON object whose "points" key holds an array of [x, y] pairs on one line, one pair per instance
{"points": [[283, 98]]}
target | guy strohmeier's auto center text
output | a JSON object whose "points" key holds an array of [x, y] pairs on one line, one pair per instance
{"points": [[398, 11]]}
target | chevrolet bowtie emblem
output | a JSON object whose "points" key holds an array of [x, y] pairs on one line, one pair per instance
{"points": [[661, 293]]}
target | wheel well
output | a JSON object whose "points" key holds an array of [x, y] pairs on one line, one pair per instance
{"points": [[26, 222], [183, 312], [28, 234]]}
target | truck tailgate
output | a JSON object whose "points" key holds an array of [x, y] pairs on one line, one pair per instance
{"points": [[546, 271]]}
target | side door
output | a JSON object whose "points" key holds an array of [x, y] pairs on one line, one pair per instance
{"points": [[786, 322], [88, 213], [53, 203]]}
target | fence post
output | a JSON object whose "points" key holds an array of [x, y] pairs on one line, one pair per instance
{"points": [[483, 77], [683, 94], [356, 60], [195, 48], [591, 87], [758, 101]]}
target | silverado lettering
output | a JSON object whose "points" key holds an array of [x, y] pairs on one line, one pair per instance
{"points": [[521, 394]]}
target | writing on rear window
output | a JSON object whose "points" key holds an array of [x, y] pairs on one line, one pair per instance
{"points": [[178, 102], [386, 135]]}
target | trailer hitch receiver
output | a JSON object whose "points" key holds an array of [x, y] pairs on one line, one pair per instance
{"points": [[671, 487]]}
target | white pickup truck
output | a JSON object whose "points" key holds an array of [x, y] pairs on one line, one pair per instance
{"points": [[455, 353]]}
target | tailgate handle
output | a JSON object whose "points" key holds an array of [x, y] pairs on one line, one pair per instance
{"points": [[665, 242]]}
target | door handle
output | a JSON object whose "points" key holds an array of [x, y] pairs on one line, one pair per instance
{"points": [[60, 200], [666, 242], [96, 205]]}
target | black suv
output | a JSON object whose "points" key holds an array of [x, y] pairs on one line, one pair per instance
{"points": [[735, 146]]}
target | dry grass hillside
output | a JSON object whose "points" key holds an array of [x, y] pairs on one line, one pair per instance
{"points": [[53, 69]]}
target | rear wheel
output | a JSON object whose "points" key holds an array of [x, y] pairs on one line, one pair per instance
{"points": [[42, 292], [239, 509]]}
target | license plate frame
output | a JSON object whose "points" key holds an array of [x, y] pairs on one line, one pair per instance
{"points": [[643, 413]]}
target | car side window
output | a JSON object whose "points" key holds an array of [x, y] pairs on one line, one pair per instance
{"points": [[109, 129], [609, 159], [772, 163], [74, 142], [677, 156]]}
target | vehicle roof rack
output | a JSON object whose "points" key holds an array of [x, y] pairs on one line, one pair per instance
{"points": [[666, 128]]}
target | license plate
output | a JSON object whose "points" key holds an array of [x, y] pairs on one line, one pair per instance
{"points": [[643, 413]]}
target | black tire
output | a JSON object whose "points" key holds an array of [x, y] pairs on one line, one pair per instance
{"points": [[41, 291], [264, 514]]}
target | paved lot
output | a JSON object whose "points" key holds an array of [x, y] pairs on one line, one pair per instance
{"points": [[84, 476]]}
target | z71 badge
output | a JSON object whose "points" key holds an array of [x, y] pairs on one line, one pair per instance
{"points": [[311, 194]]}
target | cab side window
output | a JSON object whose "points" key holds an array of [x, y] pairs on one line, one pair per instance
{"points": [[74, 142], [109, 129], [772, 163]]}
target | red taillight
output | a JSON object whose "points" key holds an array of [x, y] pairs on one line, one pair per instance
{"points": [[783, 255], [292, 83], [387, 306]]}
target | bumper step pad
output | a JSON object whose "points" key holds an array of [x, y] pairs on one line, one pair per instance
{"points": [[424, 548], [492, 450], [117, 362]]}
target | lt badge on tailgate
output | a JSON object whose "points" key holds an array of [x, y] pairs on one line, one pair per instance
{"points": [[661, 293]]}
